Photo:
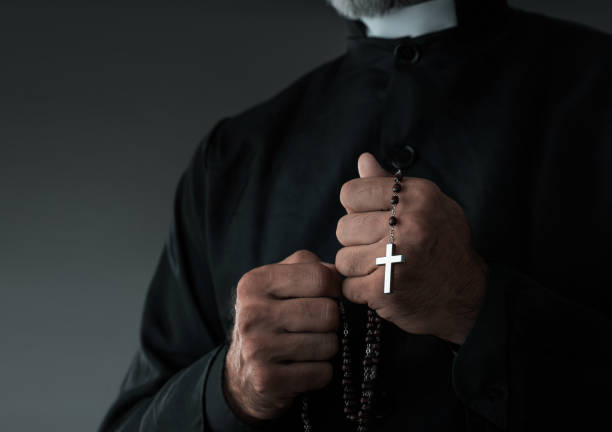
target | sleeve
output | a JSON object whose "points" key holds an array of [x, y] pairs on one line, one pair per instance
{"points": [[533, 359], [174, 382]]}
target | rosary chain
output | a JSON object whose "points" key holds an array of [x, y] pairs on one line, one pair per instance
{"points": [[397, 187], [355, 410], [359, 410]]}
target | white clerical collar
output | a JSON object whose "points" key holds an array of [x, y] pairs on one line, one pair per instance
{"points": [[417, 20]]}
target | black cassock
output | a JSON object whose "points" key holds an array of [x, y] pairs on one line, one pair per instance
{"points": [[510, 114]]}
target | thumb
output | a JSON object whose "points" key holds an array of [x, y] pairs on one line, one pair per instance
{"points": [[368, 166], [299, 257]]}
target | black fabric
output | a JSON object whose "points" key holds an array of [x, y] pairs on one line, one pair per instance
{"points": [[511, 115]]}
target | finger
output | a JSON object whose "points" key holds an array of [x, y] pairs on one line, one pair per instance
{"points": [[301, 256], [362, 228], [291, 281], [304, 376], [367, 194], [303, 347], [374, 194], [302, 315], [359, 260], [368, 166], [365, 289], [306, 256], [329, 266]]}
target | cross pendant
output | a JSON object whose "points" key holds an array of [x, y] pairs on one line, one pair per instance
{"points": [[387, 261]]}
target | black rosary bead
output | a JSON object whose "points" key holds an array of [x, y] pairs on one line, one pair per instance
{"points": [[392, 221], [356, 406], [394, 199], [397, 187]]}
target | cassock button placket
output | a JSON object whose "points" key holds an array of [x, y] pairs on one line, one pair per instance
{"points": [[406, 54]]}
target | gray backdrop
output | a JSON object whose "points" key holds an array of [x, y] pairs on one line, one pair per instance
{"points": [[101, 105]]}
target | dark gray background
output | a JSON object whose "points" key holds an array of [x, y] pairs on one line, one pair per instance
{"points": [[101, 105]]}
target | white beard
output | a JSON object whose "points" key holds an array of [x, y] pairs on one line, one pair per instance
{"points": [[355, 9]]}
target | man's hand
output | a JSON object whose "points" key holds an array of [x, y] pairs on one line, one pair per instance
{"points": [[284, 335], [439, 289]]}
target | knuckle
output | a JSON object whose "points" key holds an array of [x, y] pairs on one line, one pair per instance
{"points": [[355, 265], [427, 184], [320, 276], [330, 314], [249, 316], [427, 189], [303, 255], [419, 192], [339, 262], [346, 191], [244, 285], [327, 313], [433, 186], [249, 283], [311, 279], [341, 228], [344, 262]]}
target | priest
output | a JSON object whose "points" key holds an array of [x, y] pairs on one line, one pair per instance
{"points": [[413, 236]]}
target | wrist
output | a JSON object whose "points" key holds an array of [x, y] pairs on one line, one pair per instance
{"points": [[230, 389]]}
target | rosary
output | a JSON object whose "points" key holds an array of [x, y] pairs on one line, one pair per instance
{"points": [[358, 410]]}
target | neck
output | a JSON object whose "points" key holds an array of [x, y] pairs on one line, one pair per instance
{"points": [[417, 20]]}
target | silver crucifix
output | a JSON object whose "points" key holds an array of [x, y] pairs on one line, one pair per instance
{"points": [[387, 261]]}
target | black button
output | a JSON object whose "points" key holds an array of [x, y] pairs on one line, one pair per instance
{"points": [[404, 158], [406, 54]]}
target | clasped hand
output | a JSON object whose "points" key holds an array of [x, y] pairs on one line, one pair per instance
{"points": [[286, 318], [438, 290]]}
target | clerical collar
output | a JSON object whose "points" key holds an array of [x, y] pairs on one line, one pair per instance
{"points": [[413, 21], [474, 17]]}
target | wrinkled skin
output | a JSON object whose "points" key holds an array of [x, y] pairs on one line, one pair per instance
{"points": [[440, 287], [284, 335], [286, 314]]}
